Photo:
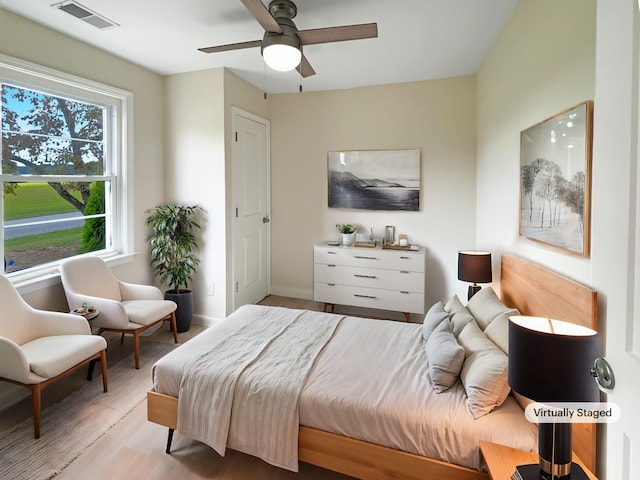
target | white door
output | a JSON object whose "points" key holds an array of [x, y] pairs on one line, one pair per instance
{"points": [[250, 159], [616, 226]]}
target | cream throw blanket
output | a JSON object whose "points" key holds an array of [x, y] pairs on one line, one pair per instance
{"points": [[245, 391]]}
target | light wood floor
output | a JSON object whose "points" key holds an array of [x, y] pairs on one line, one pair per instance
{"points": [[134, 447]]}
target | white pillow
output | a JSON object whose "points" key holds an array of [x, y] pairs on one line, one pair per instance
{"points": [[459, 321], [498, 332], [434, 317], [485, 306], [484, 372], [454, 305], [445, 356]]}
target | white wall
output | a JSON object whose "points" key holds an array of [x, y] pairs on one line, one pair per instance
{"points": [[542, 63], [26, 40], [437, 116]]}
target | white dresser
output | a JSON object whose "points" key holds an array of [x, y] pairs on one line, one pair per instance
{"points": [[370, 277]]}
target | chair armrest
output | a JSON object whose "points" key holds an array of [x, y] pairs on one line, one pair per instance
{"points": [[111, 313], [48, 323], [13, 362], [135, 291]]}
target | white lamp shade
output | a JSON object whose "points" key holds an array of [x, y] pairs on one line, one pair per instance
{"points": [[282, 58]]}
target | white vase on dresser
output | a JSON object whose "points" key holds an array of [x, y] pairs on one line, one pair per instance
{"points": [[370, 277]]}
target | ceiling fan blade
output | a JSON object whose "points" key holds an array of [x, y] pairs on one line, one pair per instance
{"points": [[338, 34], [231, 46], [305, 68], [262, 15]]}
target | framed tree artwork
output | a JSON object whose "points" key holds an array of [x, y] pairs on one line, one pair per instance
{"points": [[374, 179], [555, 180]]}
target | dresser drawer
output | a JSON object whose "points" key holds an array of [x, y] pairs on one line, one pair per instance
{"points": [[370, 277], [402, 301], [371, 258]]}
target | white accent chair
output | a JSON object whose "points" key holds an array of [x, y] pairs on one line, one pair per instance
{"points": [[38, 347], [123, 307]]}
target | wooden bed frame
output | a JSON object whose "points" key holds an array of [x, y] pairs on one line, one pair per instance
{"points": [[533, 290]]}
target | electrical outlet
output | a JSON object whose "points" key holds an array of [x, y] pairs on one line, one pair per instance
{"points": [[210, 289]]}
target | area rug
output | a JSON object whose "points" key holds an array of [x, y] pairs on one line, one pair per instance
{"points": [[76, 422]]}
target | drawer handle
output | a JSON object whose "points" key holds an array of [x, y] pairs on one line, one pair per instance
{"points": [[365, 258], [331, 253], [364, 296], [331, 284], [405, 258], [404, 271], [364, 276], [404, 292], [330, 265]]}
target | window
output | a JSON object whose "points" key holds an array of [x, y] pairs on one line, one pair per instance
{"points": [[62, 171]]}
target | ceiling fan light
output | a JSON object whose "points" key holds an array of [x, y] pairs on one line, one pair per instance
{"points": [[282, 58]]}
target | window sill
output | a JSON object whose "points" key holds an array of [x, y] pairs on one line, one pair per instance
{"points": [[47, 277]]}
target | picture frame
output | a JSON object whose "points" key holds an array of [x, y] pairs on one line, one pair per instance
{"points": [[555, 180], [374, 179]]}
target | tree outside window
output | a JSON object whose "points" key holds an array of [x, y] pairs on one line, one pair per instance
{"points": [[56, 177]]}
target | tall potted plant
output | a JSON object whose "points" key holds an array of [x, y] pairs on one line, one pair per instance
{"points": [[173, 246]]}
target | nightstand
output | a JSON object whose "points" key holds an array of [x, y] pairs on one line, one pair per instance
{"points": [[502, 461]]}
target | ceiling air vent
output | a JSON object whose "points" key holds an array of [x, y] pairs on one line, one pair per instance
{"points": [[83, 13]]}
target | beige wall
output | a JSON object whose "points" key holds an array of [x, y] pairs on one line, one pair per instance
{"points": [[26, 40], [540, 65], [438, 117], [198, 145], [194, 138]]}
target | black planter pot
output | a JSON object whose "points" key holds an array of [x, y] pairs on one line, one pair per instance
{"points": [[184, 312]]}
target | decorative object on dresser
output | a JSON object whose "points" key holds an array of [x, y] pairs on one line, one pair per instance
{"points": [[374, 179], [474, 266], [347, 230], [370, 277], [389, 235], [561, 374], [555, 180]]}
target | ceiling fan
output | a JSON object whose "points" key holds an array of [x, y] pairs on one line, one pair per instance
{"points": [[282, 43]]}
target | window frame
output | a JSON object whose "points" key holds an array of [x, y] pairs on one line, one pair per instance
{"points": [[119, 134]]}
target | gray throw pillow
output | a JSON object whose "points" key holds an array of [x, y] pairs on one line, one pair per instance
{"points": [[432, 319], [446, 358], [484, 372]]}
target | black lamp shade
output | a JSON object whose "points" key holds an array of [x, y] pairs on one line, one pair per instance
{"points": [[474, 266], [551, 360]]}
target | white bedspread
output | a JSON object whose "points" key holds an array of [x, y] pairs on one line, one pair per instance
{"points": [[370, 383], [257, 373]]}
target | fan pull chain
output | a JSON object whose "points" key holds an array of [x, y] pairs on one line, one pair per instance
{"points": [[300, 77], [264, 73]]}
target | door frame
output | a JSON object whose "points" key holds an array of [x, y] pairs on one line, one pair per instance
{"points": [[236, 111]]}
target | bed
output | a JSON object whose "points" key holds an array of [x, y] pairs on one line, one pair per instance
{"points": [[332, 441]]}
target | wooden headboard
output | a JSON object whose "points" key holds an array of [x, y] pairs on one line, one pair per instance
{"points": [[537, 291]]}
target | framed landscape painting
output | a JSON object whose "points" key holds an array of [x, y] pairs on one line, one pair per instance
{"points": [[374, 179], [555, 180]]}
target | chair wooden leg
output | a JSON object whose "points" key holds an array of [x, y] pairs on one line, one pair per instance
{"points": [[174, 327], [36, 399], [103, 365], [136, 348], [121, 338]]}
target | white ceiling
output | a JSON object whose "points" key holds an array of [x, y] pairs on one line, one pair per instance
{"points": [[417, 39]]}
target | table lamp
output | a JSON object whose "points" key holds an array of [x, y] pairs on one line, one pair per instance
{"points": [[474, 266], [551, 361]]}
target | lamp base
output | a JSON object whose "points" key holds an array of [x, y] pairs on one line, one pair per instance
{"points": [[473, 289], [533, 472]]}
